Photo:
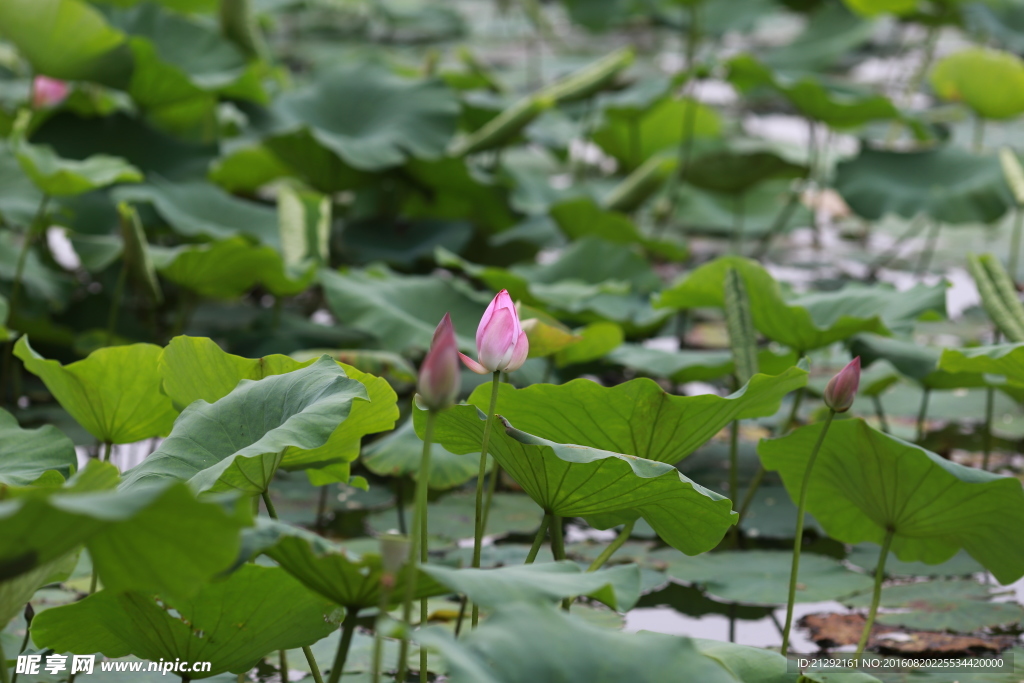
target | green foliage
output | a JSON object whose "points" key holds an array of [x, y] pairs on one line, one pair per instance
{"points": [[29, 456], [988, 81]]}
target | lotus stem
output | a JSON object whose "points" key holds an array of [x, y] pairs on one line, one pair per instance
{"points": [[798, 540], [321, 507], [623, 536], [313, 668], [538, 541], [749, 498], [1018, 224], [877, 594], [990, 395], [268, 503], [403, 528], [115, 304], [478, 537], [348, 629], [922, 414], [558, 547], [378, 638], [880, 412], [795, 410], [107, 448], [492, 485], [29, 612], [5, 676], [283, 655]]}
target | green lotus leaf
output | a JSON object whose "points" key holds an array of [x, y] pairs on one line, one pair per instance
{"points": [[229, 268], [810, 321], [638, 417], [137, 253], [605, 488], [761, 577], [195, 368], [237, 442], [736, 171], [67, 39], [871, 8], [197, 209], [523, 642], [582, 217], [58, 177], [949, 184], [632, 136], [343, 577], [830, 35], [28, 454], [16, 592], [865, 482], [960, 606], [398, 118], [399, 454], [916, 361], [1001, 359], [452, 517], [756, 215], [5, 333], [153, 539], [865, 556], [231, 623], [247, 169], [990, 82], [304, 219], [693, 365], [402, 312], [448, 189], [617, 587], [114, 393], [595, 341]]}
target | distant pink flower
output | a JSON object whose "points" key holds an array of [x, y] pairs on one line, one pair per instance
{"points": [[48, 92], [501, 343], [842, 389], [439, 374]]}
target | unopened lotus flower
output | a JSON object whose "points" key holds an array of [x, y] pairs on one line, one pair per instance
{"points": [[439, 374], [842, 389], [47, 92], [501, 343]]}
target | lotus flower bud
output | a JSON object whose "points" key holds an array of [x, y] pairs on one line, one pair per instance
{"points": [[439, 374], [394, 551], [501, 343], [842, 389], [47, 92]]}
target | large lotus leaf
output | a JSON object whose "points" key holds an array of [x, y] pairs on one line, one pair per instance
{"points": [[534, 642], [1001, 25], [603, 487], [949, 184], [617, 587], [632, 137], [827, 39], [693, 365], [67, 39], [404, 244], [870, 8], [154, 539], [231, 623], [1002, 359], [399, 454], [230, 268], [196, 209], [16, 592], [452, 518], [810, 321], [991, 82], [27, 454], [402, 312], [582, 216], [638, 417], [839, 108], [237, 442], [735, 171], [195, 368], [447, 188], [343, 577], [57, 177], [865, 482], [756, 215], [916, 361], [761, 577], [114, 393], [19, 197], [371, 117], [960, 606]]}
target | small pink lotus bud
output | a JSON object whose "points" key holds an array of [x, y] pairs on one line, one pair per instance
{"points": [[439, 374], [48, 92], [842, 389], [501, 343]]}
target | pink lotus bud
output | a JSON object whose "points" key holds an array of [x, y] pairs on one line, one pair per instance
{"points": [[842, 389], [439, 374], [48, 92], [501, 343]]}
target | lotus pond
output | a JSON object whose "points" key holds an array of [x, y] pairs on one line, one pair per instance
{"points": [[493, 341]]}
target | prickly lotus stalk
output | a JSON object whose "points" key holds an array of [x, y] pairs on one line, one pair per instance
{"points": [[998, 295], [740, 323]]}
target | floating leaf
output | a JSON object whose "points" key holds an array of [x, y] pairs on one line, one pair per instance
{"points": [[959, 606], [231, 623], [693, 365], [237, 442], [761, 577], [865, 482], [399, 454], [913, 360], [453, 517], [633, 137], [605, 488], [114, 393], [991, 82], [637, 418], [28, 454], [581, 217], [56, 176], [870, 8], [1002, 359]]}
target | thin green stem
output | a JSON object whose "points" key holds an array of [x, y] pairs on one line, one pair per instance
{"points": [[93, 581], [877, 594], [990, 395], [623, 536], [313, 668], [269, 504], [400, 505], [283, 656], [922, 414], [751, 491], [538, 541], [880, 412], [734, 485], [798, 540], [107, 449], [5, 676], [348, 629], [1018, 224], [558, 547], [979, 134], [378, 637], [24, 641], [115, 304], [321, 507], [478, 536], [794, 410], [492, 485]]}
